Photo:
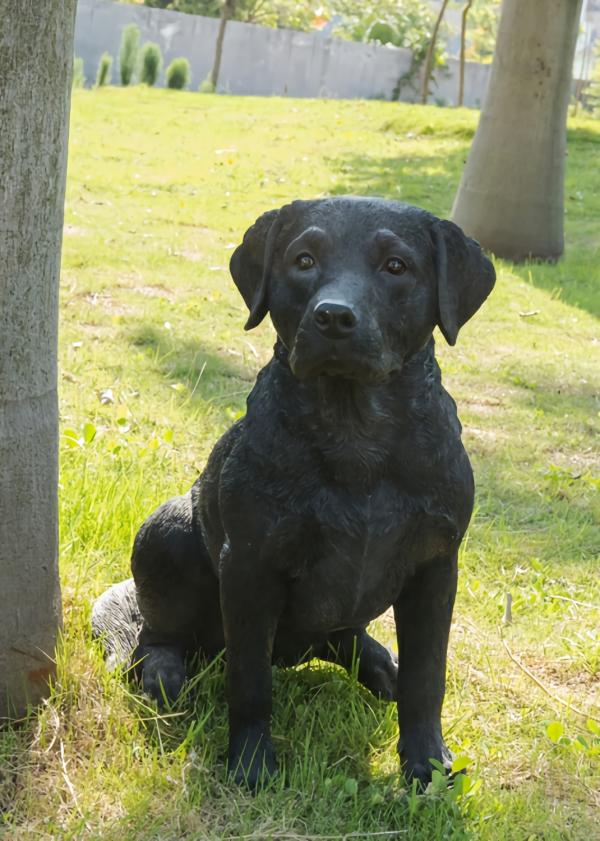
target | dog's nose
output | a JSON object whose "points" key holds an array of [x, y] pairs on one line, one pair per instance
{"points": [[334, 320]]}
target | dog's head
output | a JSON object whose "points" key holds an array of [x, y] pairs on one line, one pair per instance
{"points": [[355, 286]]}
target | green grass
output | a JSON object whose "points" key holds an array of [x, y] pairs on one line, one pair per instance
{"points": [[161, 187]]}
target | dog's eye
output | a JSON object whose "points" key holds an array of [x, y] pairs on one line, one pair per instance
{"points": [[304, 262], [395, 266]]}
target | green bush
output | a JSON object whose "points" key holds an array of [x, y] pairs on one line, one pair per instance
{"points": [[78, 75], [402, 23], [207, 86], [104, 74], [178, 74], [151, 63], [130, 44]]}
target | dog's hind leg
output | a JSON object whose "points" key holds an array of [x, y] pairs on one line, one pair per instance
{"points": [[178, 597], [377, 666], [118, 624]]}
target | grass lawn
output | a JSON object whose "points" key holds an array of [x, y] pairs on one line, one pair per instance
{"points": [[155, 365]]}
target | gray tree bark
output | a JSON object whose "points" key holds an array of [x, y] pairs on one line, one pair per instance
{"points": [[430, 53], [36, 56], [227, 12], [510, 196], [463, 42]]}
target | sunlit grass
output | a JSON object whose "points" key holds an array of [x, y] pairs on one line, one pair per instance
{"points": [[155, 365]]}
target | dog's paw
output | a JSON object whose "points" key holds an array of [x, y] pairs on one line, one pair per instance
{"points": [[162, 674], [416, 754], [379, 673], [251, 759]]}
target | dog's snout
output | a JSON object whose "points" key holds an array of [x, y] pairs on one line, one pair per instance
{"points": [[334, 320]]}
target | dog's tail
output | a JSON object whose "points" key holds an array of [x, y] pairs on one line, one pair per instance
{"points": [[116, 622]]}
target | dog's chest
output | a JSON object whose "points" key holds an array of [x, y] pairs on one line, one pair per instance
{"points": [[350, 553]]}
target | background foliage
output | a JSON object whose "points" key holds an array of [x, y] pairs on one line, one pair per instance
{"points": [[403, 23]]}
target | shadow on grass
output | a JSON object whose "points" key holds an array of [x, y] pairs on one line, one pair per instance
{"points": [[552, 511], [428, 181], [575, 279], [546, 493], [538, 389], [329, 733], [587, 134], [207, 378]]}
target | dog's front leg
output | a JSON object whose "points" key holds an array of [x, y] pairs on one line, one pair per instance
{"points": [[423, 614], [251, 602]]}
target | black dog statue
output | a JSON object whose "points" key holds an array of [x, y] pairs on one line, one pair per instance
{"points": [[343, 491]]}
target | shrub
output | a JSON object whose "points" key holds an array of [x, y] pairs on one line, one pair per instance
{"points": [[78, 75], [130, 43], [151, 63], [178, 74], [104, 74], [207, 86]]}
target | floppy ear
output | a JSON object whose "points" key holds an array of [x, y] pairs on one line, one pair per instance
{"points": [[465, 278], [250, 265]]}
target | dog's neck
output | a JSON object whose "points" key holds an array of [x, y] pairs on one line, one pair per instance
{"points": [[356, 426], [420, 372]]}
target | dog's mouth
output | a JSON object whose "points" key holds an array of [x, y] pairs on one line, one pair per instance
{"points": [[359, 369], [362, 359]]}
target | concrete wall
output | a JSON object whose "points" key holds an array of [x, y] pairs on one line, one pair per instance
{"points": [[444, 88], [263, 61]]}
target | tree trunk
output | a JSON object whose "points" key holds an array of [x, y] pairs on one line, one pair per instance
{"points": [[463, 38], [430, 54], [227, 12], [510, 196], [36, 56]]}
